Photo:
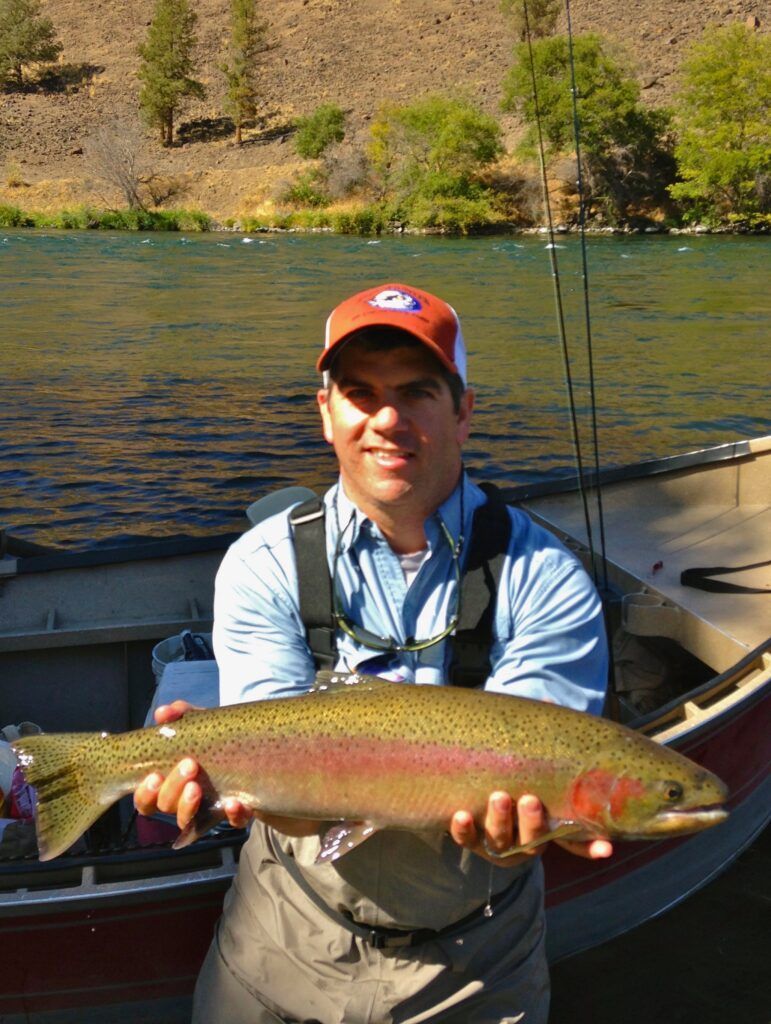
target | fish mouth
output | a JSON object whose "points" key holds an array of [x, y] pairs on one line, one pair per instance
{"points": [[682, 821]]}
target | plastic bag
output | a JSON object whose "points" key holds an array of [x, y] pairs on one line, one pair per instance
{"points": [[17, 798], [9, 770]]}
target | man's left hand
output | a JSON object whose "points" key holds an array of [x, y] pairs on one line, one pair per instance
{"points": [[506, 825]]}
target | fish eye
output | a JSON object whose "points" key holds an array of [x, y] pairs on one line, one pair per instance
{"points": [[673, 791]]}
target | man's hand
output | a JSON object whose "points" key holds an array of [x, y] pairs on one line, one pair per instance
{"points": [[506, 825], [179, 793]]}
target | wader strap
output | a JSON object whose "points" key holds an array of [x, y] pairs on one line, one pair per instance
{"points": [[700, 579], [313, 580], [490, 535], [388, 938]]}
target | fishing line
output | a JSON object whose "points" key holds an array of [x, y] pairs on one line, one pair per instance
{"points": [[558, 302], [587, 313]]}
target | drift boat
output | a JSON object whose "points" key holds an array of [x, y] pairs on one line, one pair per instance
{"points": [[117, 930]]}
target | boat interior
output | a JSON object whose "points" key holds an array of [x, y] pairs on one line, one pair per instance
{"points": [[707, 518]]}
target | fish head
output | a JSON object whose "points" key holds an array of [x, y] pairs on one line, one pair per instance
{"points": [[676, 799]]}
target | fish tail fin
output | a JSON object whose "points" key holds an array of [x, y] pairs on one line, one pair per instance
{"points": [[69, 790]]}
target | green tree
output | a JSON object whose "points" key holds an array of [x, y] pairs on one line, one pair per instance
{"points": [[319, 130], [436, 146], [247, 41], [723, 115], [25, 38], [167, 65], [625, 148], [539, 16], [428, 158]]}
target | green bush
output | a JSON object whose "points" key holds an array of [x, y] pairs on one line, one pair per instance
{"points": [[320, 129], [433, 149], [73, 219], [194, 220], [65, 219], [13, 217], [366, 220], [453, 215], [309, 220], [250, 224], [85, 217], [306, 190]]}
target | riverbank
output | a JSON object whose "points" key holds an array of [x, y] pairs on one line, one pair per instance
{"points": [[365, 220]]}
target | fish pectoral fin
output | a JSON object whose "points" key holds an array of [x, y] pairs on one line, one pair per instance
{"points": [[208, 815], [342, 837], [567, 830]]}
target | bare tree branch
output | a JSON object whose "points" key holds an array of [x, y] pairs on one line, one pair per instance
{"points": [[115, 152]]}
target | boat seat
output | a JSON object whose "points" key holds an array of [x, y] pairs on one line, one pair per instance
{"points": [[195, 681]]}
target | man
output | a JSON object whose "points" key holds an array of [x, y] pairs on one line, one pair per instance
{"points": [[406, 927]]}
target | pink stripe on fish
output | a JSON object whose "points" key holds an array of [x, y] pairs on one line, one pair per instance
{"points": [[412, 782]]}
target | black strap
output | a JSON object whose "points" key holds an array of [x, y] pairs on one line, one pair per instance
{"points": [[314, 582], [700, 579], [490, 534]]}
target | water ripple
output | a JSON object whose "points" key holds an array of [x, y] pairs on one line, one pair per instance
{"points": [[157, 386]]}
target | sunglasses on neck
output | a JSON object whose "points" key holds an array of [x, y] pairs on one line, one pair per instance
{"points": [[366, 638]]}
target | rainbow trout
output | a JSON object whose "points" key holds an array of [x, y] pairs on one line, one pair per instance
{"points": [[382, 755]]}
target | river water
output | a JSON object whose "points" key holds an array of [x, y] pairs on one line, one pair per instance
{"points": [[158, 384]]}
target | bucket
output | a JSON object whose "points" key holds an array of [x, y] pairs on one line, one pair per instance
{"points": [[173, 649]]}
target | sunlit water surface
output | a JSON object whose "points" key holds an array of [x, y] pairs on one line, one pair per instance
{"points": [[158, 384]]}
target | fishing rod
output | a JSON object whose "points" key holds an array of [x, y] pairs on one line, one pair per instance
{"points": [[559, 306], [585, 279]]}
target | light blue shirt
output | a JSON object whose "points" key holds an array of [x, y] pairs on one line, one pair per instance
{"points": [[549, 639]]}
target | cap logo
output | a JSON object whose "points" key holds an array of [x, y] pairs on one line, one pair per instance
{"points": [[396, 300]]}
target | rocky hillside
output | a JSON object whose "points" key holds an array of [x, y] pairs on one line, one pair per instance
{"points": [[356, 53]]}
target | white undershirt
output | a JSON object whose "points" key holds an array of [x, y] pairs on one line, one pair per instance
{"points": [[410, 564]]}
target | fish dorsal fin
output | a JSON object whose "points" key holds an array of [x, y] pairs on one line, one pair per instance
{"points": [[328, 681]]}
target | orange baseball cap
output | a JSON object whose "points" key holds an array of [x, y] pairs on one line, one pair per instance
{"points": [[421, 314]]}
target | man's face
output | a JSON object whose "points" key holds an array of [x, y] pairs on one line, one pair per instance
{"points": [[397, 436]]}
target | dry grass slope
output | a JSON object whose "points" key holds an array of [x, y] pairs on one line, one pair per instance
{"points": [[356, 53]]}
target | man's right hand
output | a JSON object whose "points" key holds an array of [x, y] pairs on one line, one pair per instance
{"points": [[179, 793]]}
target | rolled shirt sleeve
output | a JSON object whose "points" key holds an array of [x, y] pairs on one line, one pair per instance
{"points": [[259, 638], [550, 634]]}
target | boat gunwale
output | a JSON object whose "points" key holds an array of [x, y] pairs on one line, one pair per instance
{"points": [[152, 884], [718, 683], [730, 451], [57, 559]]}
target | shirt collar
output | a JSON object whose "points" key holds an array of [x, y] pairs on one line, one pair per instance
{"points": [[351, 521]]}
